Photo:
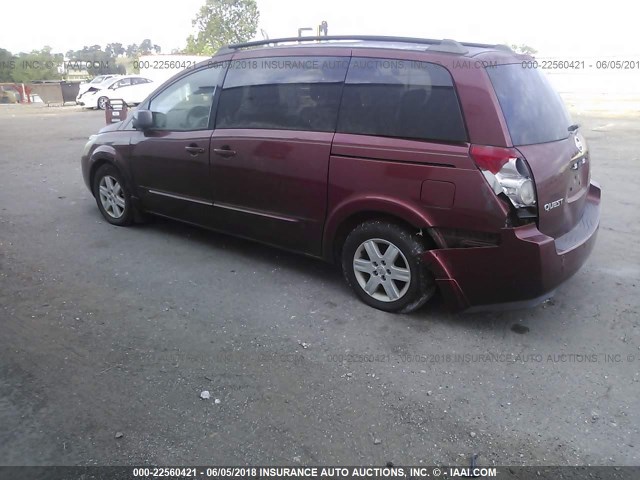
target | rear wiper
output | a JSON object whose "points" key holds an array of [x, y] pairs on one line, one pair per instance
{"points": [[574, 127]]}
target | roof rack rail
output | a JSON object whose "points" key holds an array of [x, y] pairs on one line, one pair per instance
{"points": [[503, 47], [450, 46]]}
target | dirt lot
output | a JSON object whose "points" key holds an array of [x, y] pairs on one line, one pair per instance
{"points": [[107, 330]]}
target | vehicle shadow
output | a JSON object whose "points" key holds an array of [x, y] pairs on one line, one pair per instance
{"points": [[247, 249], [435, 312]]}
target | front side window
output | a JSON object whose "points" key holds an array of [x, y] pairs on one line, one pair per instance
{"points": [[400, 98], [186, 104], [283, 93]]}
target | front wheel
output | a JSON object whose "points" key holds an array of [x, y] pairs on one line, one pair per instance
{"points": [[102, 103], [112, 196], [381, 262]]}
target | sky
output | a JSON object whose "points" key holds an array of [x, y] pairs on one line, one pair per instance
{"points": [[555, 28]]}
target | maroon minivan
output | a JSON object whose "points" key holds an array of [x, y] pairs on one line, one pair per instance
{"points": [[417, 165]]}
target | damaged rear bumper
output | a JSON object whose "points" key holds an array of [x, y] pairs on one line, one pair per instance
{"points": [[523, 270]]}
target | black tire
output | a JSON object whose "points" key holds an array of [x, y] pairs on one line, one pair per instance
{"points": [[105, 100], [115, 207], [414, 293]]}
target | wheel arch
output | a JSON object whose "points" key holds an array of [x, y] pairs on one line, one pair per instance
{"points": [[107, 154], [99, 161], [350, 215]]}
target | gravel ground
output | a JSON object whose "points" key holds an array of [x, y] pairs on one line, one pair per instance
{"points": [[109, 336]]}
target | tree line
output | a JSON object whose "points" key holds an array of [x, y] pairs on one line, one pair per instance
{"points": [[217, 23], [44, 64]]}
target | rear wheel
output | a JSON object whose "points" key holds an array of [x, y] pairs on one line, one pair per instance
{"points": [[381, 262]]}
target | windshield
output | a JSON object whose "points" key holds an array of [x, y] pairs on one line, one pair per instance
{"points": [[533, 110]]}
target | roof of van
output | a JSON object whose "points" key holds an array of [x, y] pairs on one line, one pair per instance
{"points": [[368, 41]]}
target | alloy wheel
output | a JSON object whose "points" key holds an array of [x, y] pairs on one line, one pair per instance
{"points": [[382, 270], [112, 196]]}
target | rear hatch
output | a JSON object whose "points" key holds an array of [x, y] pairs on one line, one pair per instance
{"points": [[541, 129]]}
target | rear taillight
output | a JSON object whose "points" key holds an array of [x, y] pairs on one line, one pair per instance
{"points": [[506, 173], [491, 159]]}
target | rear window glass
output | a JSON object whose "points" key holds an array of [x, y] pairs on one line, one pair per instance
{"points": [[533, 110]]}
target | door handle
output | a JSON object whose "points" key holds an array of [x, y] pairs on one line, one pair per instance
{"points": [[193, 149], [225, 151]]}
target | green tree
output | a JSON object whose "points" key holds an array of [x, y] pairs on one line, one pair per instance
{"points": [[7, 65], [37, 65], [99, 62], [147, 47], [115, 49], [221, 22], [133, 50]]}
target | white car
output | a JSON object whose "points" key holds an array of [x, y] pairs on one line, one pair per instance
{"points": [[132, 89], [99, 80]]}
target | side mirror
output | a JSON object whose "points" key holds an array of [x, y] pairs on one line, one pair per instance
{"points": [[142, 119]]}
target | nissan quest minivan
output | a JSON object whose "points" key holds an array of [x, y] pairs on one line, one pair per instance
{"points": [[419, 166]]}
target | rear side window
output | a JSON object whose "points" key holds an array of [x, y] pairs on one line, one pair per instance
{"points": [[533, 110], [282, 93], [399, 98]]}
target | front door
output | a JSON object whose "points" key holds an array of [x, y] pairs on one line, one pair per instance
{"points": [[170, 161]]}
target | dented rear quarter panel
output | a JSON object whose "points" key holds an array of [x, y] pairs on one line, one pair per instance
{"points": [[394, 185]]}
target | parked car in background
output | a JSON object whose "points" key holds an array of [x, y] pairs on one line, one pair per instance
{"points": [[95, 82], [103, 78], [132, 89], [383, 155]]}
